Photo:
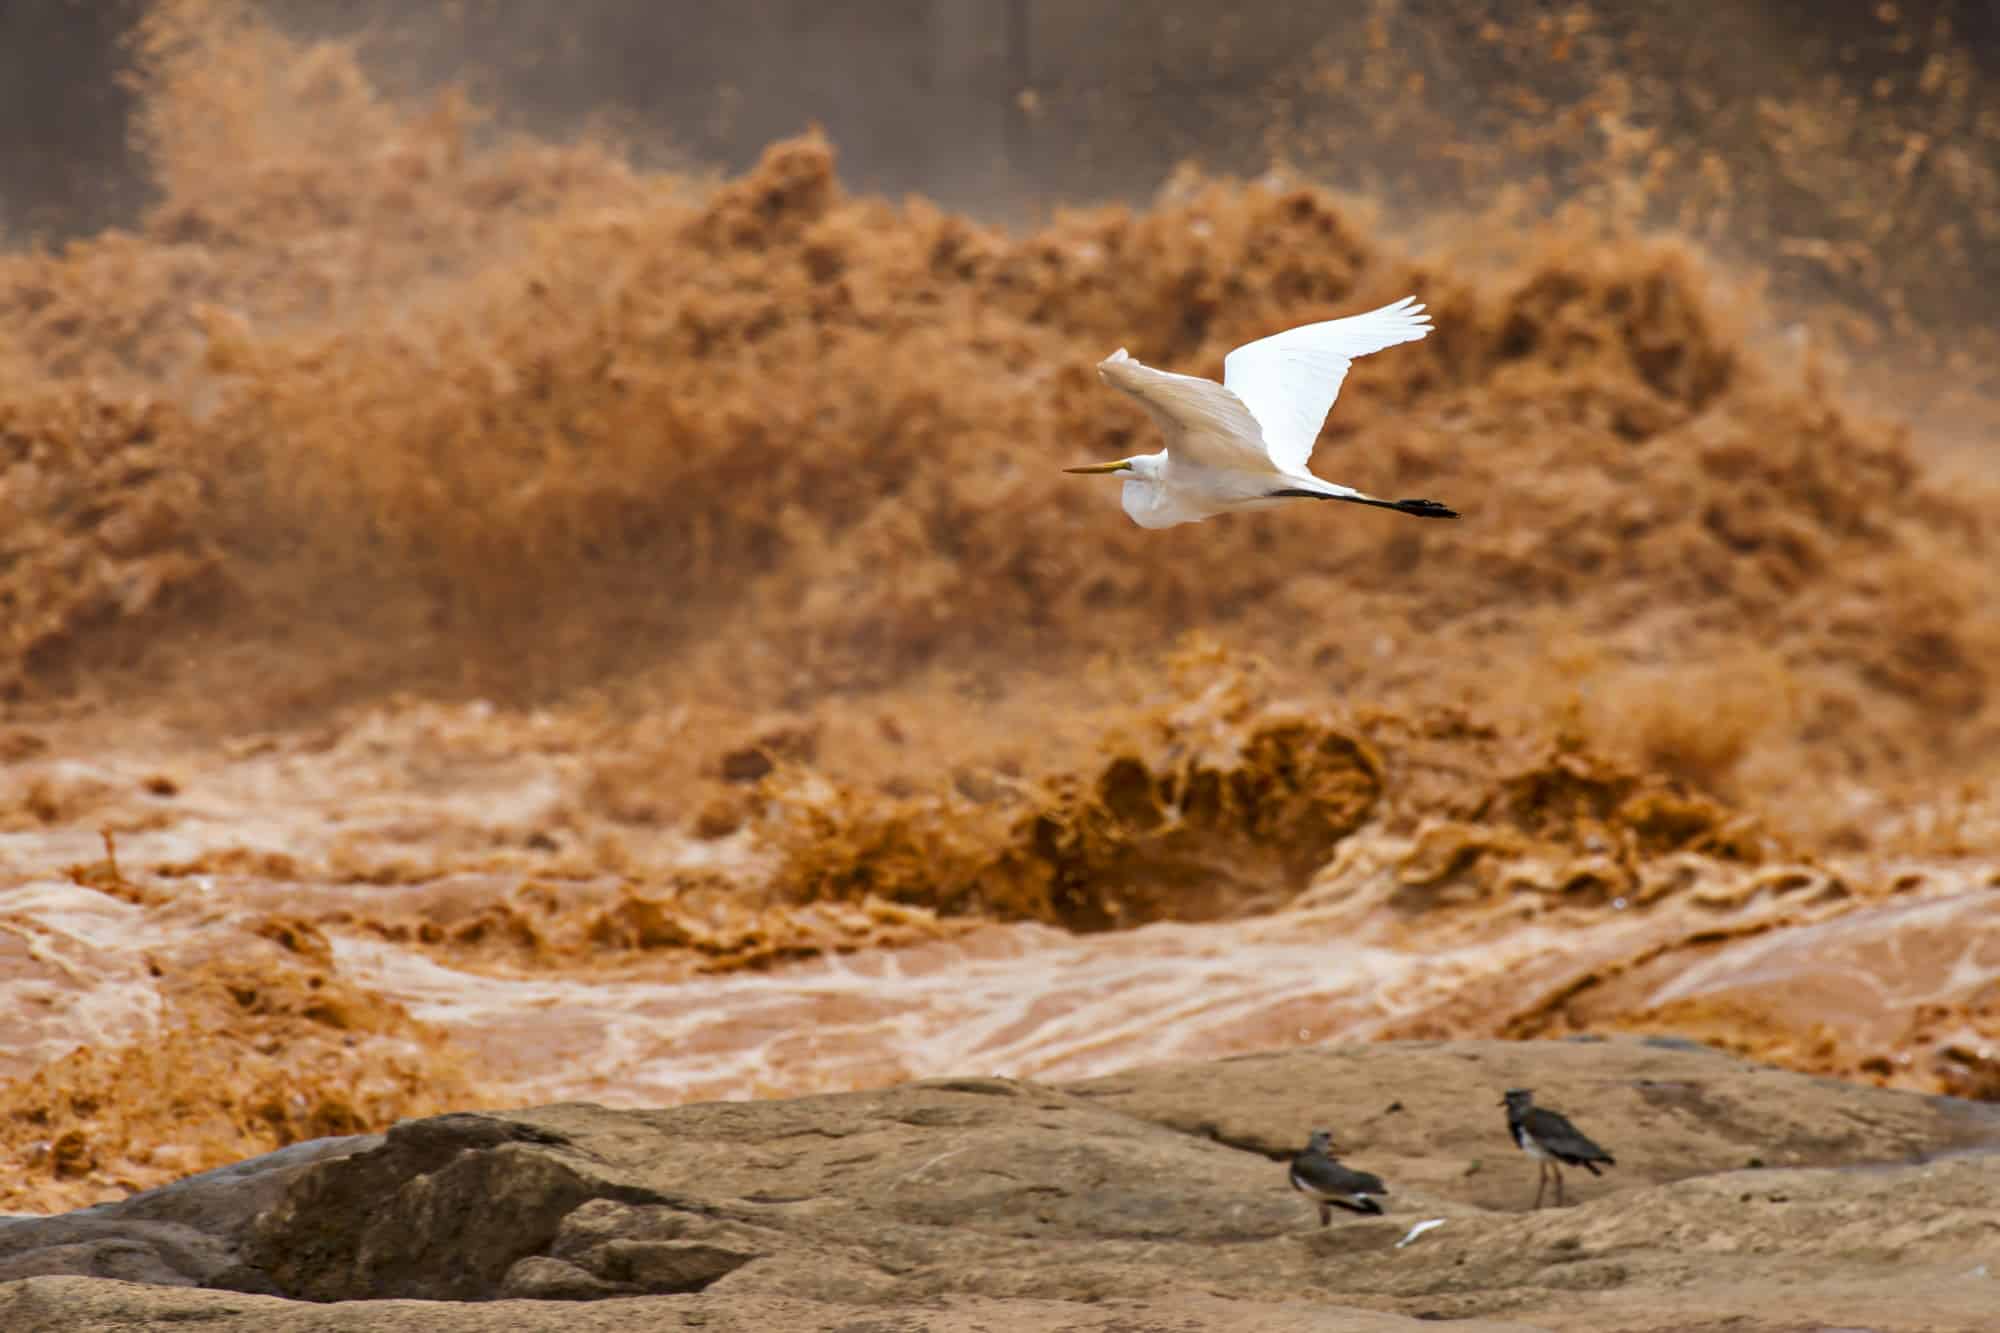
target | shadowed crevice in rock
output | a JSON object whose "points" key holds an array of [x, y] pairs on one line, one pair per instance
{"points": [[441, 1210]]}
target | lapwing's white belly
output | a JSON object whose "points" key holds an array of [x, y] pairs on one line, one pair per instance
{"points": [[1526, 1142], [1341, 1196]]}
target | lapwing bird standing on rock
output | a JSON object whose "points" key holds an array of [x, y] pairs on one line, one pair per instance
{"points": [[1332, 1185], [1549, 1138]]}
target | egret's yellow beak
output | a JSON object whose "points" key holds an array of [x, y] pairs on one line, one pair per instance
{"points": [[1122, 465]]}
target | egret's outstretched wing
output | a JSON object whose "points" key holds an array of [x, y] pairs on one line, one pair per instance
{"points": [[1289, 380], [1203, 422]]}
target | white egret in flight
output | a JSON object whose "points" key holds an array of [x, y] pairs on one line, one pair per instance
{"points": [[1243, 443]]}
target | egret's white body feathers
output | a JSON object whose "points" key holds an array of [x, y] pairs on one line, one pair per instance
{"points": [[1244, 443]]}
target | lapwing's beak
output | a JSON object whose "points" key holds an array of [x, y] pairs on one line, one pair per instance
{"points": [[1122, 465]]}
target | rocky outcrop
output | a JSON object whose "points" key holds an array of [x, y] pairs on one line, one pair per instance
{"points": [[187, 1233], [1151, 1199]]}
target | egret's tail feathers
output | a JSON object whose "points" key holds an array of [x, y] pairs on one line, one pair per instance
{"points": [[1415, 508]]}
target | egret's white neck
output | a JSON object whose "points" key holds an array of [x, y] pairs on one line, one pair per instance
{"points": [[1144, 498]]}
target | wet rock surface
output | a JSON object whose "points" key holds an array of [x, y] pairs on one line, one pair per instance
{"points": [[1150, 1199]]}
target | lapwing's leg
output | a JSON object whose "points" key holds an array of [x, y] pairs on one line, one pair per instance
{"points": [[1557, 1172], [1541, 1179], [1325, 1213]]}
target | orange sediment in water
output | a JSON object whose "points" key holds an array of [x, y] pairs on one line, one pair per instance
{"points": [[537, 627], [261, 1046]]}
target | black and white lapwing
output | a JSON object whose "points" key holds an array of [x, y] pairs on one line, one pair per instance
{"points": [[1549, 1138], [1332, 1185]]}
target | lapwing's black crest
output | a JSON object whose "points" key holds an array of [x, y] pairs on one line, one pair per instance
{"points": [[1550, 1138], [1331, 1185]]}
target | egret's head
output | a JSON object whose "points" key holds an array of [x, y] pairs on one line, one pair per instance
{"points": [[1140, 467]]}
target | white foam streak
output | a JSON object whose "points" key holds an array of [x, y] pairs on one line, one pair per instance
{"points": [[78, 976], [1048, 1005]]}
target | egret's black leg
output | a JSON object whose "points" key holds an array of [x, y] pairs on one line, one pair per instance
{"points": [[1415, 508]]}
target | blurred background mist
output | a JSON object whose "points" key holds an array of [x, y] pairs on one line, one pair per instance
{"points": [[995, 106]]}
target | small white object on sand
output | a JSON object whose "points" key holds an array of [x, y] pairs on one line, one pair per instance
{"points": [[1418, 1230]]}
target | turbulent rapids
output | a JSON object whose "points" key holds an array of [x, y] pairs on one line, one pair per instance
{"points": [[487, 622]]}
